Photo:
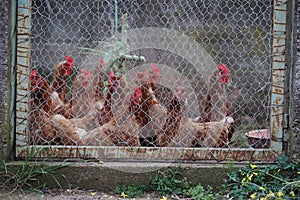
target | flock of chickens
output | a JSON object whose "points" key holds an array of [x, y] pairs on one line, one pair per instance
{"points": [[101, 113]]}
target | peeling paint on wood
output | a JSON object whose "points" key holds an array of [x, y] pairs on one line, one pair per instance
{"points": [[278, 73]]}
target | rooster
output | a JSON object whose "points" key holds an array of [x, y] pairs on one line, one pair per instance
{"points": [[179, 130], [59, 83]]}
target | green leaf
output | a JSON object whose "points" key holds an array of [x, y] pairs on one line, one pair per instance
{"points": [[283, 159]]}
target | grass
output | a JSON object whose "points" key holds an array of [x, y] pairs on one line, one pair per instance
{"points": [[31, 175]]}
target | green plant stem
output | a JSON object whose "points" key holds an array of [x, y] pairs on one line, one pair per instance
{"points": [[290, 183], [275, 177]]}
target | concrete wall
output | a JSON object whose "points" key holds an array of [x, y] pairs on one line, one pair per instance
{"points": [[3, 76], [296, 97]]}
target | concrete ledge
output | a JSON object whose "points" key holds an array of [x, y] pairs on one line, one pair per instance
{"points": [[108, 175]]}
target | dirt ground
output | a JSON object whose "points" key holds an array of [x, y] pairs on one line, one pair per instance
{"points": [[70, 195]]}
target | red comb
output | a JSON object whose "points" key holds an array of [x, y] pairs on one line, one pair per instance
{"points": [[223, 68], [111, 75], [155, 69], [69, 60], [137, 93], [102, 62], [33, 73], [224, 73], [86, 73]]}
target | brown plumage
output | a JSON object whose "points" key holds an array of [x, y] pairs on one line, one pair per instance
{"points": [[42, 108], [101, 112], [115, 91], [88, 98], [172, 124], [82, 96], [217, 106], [41, 92], [180, 130], [121, 130], [59, 83], [96, 116], [98, 80], [149, 113]]}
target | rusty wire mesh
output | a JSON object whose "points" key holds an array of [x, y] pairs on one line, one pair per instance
{"points": [[166, 89]]}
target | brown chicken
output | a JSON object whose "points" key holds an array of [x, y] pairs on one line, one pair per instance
{"points": [[82, 94], [98, 80], [146, 90], [78, 129], [59, 83], [88, 98], [150, 114], [216, 101], [95, 89], [115, 90], [40, 92], [121, 130], [179, 130], [40, 128], [67, 131], [101, 112], [217, 106], [42, 108]]}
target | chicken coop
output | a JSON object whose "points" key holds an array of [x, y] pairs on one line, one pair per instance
{"points": [[152, 80]]}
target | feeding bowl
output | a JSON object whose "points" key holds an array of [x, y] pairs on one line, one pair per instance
{"points": [[260, 138]]}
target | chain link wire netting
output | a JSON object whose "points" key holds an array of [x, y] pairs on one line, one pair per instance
{"points": [[151, 73]]}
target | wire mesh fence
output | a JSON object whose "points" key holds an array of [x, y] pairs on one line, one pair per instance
{"points": [[151, 73]]}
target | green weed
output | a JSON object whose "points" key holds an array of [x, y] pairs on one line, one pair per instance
{"points": [[279, 181], [31, 175], [131, 191], [169, 182]]}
